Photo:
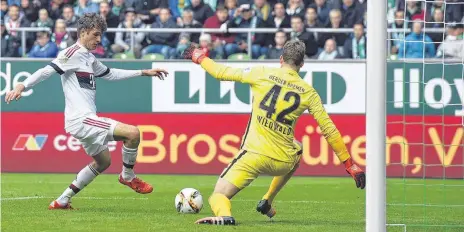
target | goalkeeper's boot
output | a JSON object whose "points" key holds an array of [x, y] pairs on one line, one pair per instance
{"points": [[56, 205], [137, 185], [265, 208], [220, 221]]}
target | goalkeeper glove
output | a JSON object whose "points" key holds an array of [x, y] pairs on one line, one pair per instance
{"points": [[198, 55], [356, 172]]}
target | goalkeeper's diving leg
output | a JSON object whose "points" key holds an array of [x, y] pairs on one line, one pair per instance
{"points": [[220, 204], [278, 182]]}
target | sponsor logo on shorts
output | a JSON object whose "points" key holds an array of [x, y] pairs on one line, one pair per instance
{"points": [[30, 142]]}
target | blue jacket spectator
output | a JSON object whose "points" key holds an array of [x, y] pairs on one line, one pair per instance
{"points": [[417, 44], [44, 47], [85, 6]]}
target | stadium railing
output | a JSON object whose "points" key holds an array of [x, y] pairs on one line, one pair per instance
{"points": [[249, 31]]}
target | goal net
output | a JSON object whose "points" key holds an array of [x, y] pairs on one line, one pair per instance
{"points": [[425, 126]]}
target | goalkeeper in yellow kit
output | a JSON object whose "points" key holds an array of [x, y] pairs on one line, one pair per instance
{"points": [[268, 146]]}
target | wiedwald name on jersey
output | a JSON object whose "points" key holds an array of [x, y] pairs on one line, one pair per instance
{"points": [[275, 126]]}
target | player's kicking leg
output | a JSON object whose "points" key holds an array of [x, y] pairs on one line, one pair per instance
{"points": [[130, 135], [102, 160]]}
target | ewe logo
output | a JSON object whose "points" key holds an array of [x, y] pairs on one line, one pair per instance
{"points": [[30, 142], [192, 90]]}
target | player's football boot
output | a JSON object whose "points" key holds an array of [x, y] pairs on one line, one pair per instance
{"points": [[220, 221], [137, 185], [56, 205], [265, 208]]}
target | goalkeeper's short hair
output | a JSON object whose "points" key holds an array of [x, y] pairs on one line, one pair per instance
{"points": [[294, 52]]}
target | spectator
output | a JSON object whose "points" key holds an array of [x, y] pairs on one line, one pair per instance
{"points": [[295, 7], [112, 21], [453, 45], [262, 9], [352, 13], [355, 48], [13, 20], [281, 19], [260, 41], [454, 11], [163, 43], [211, 3], [30, 12], [323, 11], [437, 23], [232, 8], [311, 21], [44, 48], [118, 8], [335, 23], [61, 37], [69, 17], [175, 10], [299, 33], [9, 44], [44, 20], [148, 10], [85, 6], [417, 44], [330, 51], [219, 39], [201, 11], [55, 9], [398, 37], [431, 7], [122, 42], [184, 43], [3, 9], [206, 45], [279, 40], [189, 22], [414, 11]]}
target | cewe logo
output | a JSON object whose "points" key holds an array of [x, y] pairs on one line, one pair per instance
{"points": [[30, 142]]}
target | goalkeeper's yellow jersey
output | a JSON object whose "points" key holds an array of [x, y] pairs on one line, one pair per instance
{"points": [[280, 96]]}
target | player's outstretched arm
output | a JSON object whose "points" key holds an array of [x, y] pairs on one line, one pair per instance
{"points": [[218, 71], [38, 76], [114, 74], [334, 138]]}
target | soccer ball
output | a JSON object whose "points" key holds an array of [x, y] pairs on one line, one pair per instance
{"points": [[189, 200]]}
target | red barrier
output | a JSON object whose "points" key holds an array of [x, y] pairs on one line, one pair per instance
{"points": [[206, 143]]}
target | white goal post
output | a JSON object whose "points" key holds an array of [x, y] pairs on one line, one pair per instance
{"points": [[376, 116]]}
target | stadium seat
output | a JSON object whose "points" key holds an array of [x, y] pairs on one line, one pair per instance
{"points": [[262, 57], [124, 56], [239, 56], [154, 56]]}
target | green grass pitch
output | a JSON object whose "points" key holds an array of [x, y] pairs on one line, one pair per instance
{"points": [[305, 204]]}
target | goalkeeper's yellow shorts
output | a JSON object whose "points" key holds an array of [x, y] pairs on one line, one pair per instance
{"points": [[247, 166]]}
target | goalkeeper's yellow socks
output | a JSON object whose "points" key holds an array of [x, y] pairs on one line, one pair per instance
{"points": [[220, 205]]}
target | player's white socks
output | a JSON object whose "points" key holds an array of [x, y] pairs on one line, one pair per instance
{"points": [[83, 178], [129, 156]]}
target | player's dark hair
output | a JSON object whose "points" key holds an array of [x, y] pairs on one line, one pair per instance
{"points": [[90, 21], [294, 52]]}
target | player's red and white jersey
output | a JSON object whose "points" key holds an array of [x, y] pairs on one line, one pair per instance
{"points": [[78, 69]]}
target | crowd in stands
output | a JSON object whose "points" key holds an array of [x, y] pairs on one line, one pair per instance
{"points": [[59, 15]]}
